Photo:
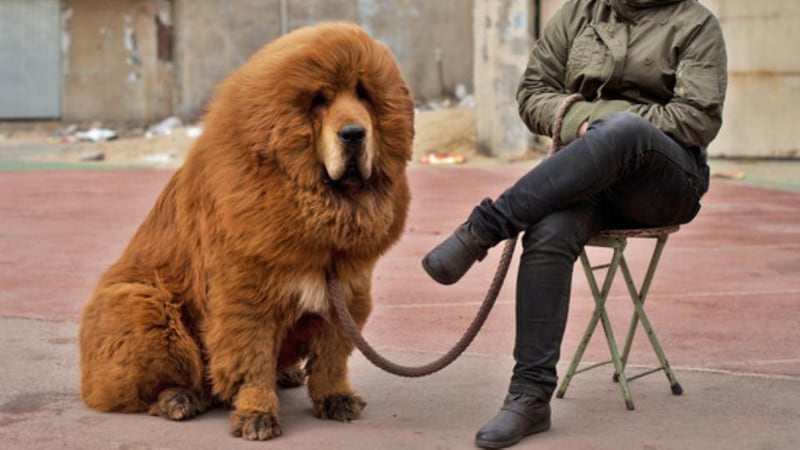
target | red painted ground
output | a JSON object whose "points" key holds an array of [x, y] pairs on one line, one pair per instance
{"points": [[727, 295], [725, 304]]}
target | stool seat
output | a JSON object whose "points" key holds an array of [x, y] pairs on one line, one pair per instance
{"points": [[636, 232], [617, 240]]}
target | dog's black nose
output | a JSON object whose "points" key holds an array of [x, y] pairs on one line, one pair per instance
{"points": [[352, 134]]}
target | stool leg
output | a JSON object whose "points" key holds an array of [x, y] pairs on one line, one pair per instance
{"points": [[587, 335], [638, 299], [600, 297], [619, 366], [634, 317]]}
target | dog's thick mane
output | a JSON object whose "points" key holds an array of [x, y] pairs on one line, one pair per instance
{"points": [[273, 91], [259, 128]]}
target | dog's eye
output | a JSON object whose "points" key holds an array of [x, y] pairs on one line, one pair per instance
{"points": [[361, 92], [319, 100]]}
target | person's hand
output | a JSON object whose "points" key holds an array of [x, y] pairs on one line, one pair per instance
{"points": [[582, 128]]}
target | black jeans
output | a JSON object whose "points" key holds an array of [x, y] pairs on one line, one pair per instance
{"points": [[623, 172]]}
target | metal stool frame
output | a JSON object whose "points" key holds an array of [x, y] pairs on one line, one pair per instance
{"points": [[617, 240]]}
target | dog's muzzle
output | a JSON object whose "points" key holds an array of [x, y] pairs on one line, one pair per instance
{"points": [[352, 139]]}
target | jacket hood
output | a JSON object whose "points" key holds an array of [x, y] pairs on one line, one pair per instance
{"points": [[627, 8]]}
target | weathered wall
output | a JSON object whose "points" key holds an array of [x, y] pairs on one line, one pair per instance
{"points": [[763, 99], [110, 61], [213, 38], [503, 43], [113, 72]]}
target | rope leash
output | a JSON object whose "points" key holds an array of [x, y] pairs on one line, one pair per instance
{"points": [[340, 305], [420, 371]]}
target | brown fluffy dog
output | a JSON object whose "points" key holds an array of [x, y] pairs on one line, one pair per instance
{"points": [[301, 167]]}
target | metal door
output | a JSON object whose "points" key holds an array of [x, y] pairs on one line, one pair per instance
{"points": [[30, 59]]}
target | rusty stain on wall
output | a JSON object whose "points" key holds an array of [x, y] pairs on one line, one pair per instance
{"points": [[165, 38]]}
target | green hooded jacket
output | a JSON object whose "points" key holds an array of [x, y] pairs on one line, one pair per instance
{"points": [[662, 59]]}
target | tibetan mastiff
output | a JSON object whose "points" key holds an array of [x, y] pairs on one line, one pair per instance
{"points": [[221, 295]]}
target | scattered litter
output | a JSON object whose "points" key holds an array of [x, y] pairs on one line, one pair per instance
{"points": [[93, 132], [441, 104], [461, 98], [159, 158], [164, 127], [461, 91], [194, 132], [465, 99], [96, 135], [435, 158], [92, 156], [467, 102], [69, 131], [729, 175]]}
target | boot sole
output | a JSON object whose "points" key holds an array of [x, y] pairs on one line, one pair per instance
{"points": [[539, 428], [435, 276]]}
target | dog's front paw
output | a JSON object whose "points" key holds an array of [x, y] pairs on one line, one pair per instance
{"points": [[255, 426], [342, 407]]}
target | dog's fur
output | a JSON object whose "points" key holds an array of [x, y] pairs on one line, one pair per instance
{"points": [[223, 287]]}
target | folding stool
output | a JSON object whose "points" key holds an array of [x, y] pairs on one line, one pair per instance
{"points": [[617, 240]]}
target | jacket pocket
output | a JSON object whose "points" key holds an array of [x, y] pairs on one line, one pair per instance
{"points": [[586, 61]]}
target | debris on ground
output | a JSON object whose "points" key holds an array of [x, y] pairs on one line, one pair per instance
{"points": [[96, 135], [438, 158], [728, 175], [166, 126], [461, 98], [164, 144], [465, 99], [92, 156], [93, 133], [194, 131]]}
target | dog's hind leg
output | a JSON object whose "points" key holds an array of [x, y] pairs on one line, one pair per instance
{"points": [[137, 354]]}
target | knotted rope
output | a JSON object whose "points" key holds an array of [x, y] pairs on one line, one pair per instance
{"points": [[445, 360], [340, 305]]}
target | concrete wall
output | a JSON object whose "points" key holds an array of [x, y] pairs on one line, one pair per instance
{"points": [[122, 65], [763, 99], [111, 65], [503, 43], [213, 38]]}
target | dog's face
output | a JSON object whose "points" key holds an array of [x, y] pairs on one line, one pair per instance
{"points": [[329, 109], [345, 135]]}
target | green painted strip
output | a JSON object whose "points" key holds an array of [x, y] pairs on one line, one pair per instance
{"points": [[787, 185]]}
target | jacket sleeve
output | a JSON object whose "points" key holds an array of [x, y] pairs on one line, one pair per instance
{"points": [[541, 89], [693, 116]]}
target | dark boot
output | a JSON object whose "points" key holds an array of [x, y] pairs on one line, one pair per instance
{"points": [[451, 259], [520, 416]]}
